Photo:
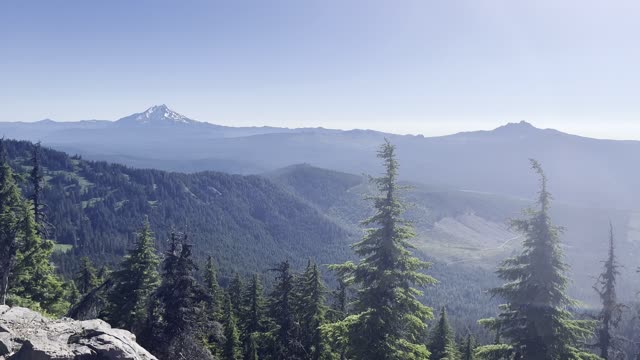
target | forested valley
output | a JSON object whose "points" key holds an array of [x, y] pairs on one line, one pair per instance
{"points": [[217, 266]]}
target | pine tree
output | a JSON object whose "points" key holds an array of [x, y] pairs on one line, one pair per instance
{"points": [[389, 321], [442, 343], [134, 284], [468, 349], [10, 206], [535, 320], [36, 179], [231, 349], [251, 348], [86, 278], [72, 293], [611, 312], [285, 334], [182, 302], [103, 274], [339, 310], [214, 308], [253, 307], [213, 290], [253, 318], [235, 292], [27, 276], [311, 310], [34, 282]]}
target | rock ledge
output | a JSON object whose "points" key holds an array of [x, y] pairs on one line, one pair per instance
{"points": [[27, 335]]}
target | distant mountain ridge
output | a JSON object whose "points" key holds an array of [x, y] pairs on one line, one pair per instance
{"points": [[592, 172]]}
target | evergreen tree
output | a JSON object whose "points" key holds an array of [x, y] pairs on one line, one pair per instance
{"points": [[311, 310], [253, 318], [103, 274], [251, 348], [86, 278], [468, 349], [536, 320], [253, 309], [231, 349], [340, 309], [214, 308], [73, 295], [611, 312], [134, 284], [10, 206], [181, 301], [442, 343], [26, 273], [390, 321], [285, 334], [36, 178], [213, 290], [34, 282], [235, 292]]}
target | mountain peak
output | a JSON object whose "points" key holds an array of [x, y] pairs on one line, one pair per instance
{"points": [[157, 114], [520, 126]]}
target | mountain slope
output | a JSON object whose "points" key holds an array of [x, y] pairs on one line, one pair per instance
{"points": [[158, 115], [245, 222], [597, 173], [470, 229]]}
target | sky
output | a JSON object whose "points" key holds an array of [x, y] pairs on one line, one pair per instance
{"points": [[429, 67]]}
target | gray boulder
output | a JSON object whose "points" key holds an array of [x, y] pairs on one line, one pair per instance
{"points": [[27, 335]]}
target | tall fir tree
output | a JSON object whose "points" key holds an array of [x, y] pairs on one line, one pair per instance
{"points": [[214, 308], [213, 289], [182, 302], [611, 313], [253, 317], [86, 278], [311, 310], [251, 348], [36, 179], [27, 277], [231, 349], [536, 320], [34, 282], [467, 352], [285, 334], [339, 310], [235, 292], [253, 307], [10, 207], [442, 342], [389, 321], [134, 284]]}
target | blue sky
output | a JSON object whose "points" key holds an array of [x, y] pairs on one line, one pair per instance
{"points": [[423, 66]]}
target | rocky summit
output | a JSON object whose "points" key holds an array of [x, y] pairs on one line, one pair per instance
{"points": [[27, 335]]}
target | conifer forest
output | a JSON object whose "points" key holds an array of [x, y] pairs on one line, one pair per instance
{"points": [[187, 298], [319, 180]]}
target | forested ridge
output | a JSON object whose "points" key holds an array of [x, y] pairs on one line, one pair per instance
{"points": [[177, 232], [245, 222]]}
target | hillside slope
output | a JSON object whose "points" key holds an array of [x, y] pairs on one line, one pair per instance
{"points": [[470, 229], [246, 222]]}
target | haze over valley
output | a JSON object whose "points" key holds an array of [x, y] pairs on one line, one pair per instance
{"points": [[319, 180]]}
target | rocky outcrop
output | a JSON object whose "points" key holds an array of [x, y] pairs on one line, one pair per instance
{"points": [[27, 335]]}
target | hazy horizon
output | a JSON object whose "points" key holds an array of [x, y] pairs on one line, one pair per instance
{"points": [[431, 68], [440, 131]]}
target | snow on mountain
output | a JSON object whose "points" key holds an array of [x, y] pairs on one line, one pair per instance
{"points": [[158, 114]]}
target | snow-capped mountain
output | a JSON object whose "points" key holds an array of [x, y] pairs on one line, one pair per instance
{"points": [[157, 115]]}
